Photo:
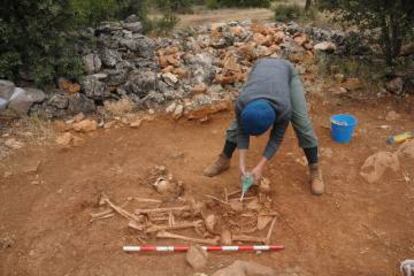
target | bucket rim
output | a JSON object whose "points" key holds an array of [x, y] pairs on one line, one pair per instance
{"points": [[333, 121]]}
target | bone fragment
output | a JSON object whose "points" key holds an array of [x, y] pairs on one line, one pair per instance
{"points": [[183, 225], [168, 235]]}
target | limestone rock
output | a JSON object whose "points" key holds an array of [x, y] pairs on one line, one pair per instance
{"points": [[170, 78], [80, 103], [87, 125], [325, 46], [135, 27], [242, 268], [94, 88], [110, 57], [178, 112], [64, 139], [13, 144], [59, 100], [6, 89], [196, 257], [23, 99], [92, 63], [406, 150], [377, 164], [352, 84]]}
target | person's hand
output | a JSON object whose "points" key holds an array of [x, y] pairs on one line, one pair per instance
{"points": [[258, 170], [242, 163], [257, 173]]}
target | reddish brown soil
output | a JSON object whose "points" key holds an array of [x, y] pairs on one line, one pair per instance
{"points": [[354, 229]]}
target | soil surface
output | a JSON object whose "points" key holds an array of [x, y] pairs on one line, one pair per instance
{"points": [[202, 17], [48, 192]]}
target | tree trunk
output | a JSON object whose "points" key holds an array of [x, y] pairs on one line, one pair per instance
{"points": [[308, 4], [386, 43]]}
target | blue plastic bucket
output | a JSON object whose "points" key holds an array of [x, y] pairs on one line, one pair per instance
{"points": [[343, 127]]}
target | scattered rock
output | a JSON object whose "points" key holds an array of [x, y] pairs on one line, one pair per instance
{"points": [[68, 86], [80, 103], [59, 100], [395, 86], [94, 88], [352, 84], [13, 144], [87, 125], [6, 89], [170, 78], [300, 39], [64, 139], [171, 108], [3, 103], [196, 257], [406, 150], [392, 116], [135, 27], [199, 89], [23, 99], [339, 77], [377, 164], [92, 63], [7, 241], [121, 107], [178, 112], [325, 46], [136, 123], [242, 268], [110, 57]]}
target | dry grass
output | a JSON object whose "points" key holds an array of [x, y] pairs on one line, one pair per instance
{"points": [[120, 107], [204, 16]]}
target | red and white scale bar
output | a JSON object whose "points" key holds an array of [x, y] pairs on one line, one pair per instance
{"points": [[184, 248]]}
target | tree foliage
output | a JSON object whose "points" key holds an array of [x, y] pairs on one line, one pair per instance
{"points": [[389, 23], [32, 42], [37, 38], [238, 3]]}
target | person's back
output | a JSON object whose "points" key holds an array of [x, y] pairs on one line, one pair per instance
{"points": [[269, 79]]}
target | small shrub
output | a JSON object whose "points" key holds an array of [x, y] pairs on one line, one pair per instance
{"points": [[212, 4], [287, 12], [165, 24]]}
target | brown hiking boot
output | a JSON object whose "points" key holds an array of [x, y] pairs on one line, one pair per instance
{"points": [[219, 166], [316, 181]]}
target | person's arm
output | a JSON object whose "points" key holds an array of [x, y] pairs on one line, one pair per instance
{"points": [[243, 141], [275, 139], [242, 161]]}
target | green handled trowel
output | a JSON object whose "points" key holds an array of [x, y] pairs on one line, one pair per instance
{"points": [[246, 182]]}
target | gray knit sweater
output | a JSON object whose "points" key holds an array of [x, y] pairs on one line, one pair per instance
{"points": [[269, 79]]}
